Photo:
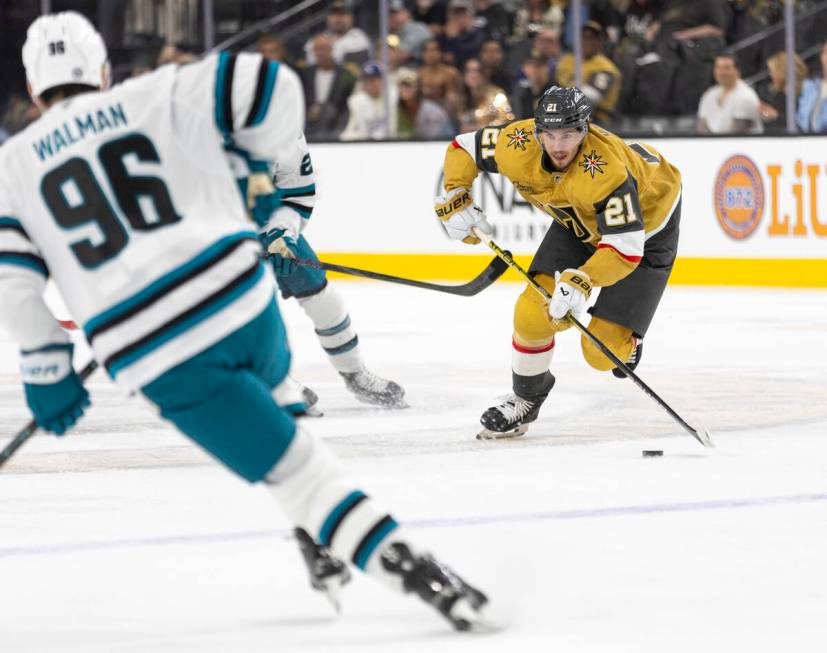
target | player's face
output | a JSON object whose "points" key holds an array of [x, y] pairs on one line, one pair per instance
{"points": [[562, 145]]}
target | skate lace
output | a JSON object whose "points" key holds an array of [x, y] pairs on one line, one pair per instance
{"points": [[514, 408]]}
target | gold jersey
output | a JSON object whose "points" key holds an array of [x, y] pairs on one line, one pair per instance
{"points": [[612, 196]]}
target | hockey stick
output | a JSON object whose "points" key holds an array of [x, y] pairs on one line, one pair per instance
{"points": [[701, 435], [493, 271], [31, 427]]}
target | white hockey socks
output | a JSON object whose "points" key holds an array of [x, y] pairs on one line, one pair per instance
{"points": [[531, 361], [315, 495], [336, 334]]}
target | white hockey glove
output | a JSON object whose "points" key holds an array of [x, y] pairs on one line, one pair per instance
{"points": [[571, 294], [459, 215]]}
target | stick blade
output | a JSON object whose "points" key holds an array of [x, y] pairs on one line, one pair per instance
{"points": [[704, 438]]}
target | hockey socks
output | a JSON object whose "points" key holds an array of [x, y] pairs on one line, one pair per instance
{"points": [[339, 339], [336, 334], [531, 382], [318, 498], [341, 523]]}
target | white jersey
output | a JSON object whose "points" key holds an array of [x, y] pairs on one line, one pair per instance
{"points": [[127, 200]]}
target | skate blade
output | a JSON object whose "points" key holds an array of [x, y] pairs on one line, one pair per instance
{"points": [[478, 620], [398, 404], [332, 589], [486, 434], [333, 592]]}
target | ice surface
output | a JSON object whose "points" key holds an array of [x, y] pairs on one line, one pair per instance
{"points": [[123, 537]]}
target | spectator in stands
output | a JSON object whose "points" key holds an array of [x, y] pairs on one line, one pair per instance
{"points": [[601, 77], [412, 34], [368, 119], [350, 44], [19, 113], [637, 31], [773, 96], [418, 117], [484, 103], [492, 58], [432, 13], [173, 54], [812, 104], [439, 81], [534, 17], [547, 45], [689, 34], [460, 39], [731, 106], [529, 89], [327, 87], [272, 47], [492, 18]]}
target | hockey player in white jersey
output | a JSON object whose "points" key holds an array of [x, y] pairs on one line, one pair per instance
{"points": [[282, 213], [125, 198]]}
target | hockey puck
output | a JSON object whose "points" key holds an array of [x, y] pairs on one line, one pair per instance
{"points": [[652, 453]]}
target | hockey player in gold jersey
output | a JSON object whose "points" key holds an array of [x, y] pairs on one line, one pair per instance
{"points": [[614, 210]]}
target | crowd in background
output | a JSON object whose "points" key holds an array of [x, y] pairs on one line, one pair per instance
{"points": [[458, 65]]}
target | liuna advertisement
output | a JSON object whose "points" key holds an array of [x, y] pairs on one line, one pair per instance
{"points": [[754, 211]]}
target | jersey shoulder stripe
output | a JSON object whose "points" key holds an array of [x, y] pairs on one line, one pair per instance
{"points": [[267, 72], [224, 72]]}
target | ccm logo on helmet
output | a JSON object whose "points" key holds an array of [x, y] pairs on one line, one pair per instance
{"points": [[453, 205]]}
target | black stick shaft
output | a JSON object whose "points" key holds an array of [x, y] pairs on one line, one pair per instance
{"points": [[31, 428], [491, 273], [701, 437]]}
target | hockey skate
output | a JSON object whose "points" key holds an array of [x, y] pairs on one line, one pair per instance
{"points": [[371, 389], [310, 401], [633, 362], [328, 574], [512, 415], [438, 586]]}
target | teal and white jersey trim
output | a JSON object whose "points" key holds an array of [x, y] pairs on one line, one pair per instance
{"points": [[183, 312], [16, 249]]}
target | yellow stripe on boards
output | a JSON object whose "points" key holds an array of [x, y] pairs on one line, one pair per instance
{"points": [[786, 273]]}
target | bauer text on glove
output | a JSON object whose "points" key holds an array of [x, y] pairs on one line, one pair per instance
{"points": [[571, 293], [459, 215]]}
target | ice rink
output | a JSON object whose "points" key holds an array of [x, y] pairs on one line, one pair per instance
{"points": [[123, 537]]}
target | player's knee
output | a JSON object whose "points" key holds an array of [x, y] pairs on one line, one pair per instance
{"points": [[532, 323], [617, 338]]}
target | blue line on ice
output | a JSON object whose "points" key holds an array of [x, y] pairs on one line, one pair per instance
{"points": [[583, 513]]}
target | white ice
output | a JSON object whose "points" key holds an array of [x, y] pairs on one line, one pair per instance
{"points": [[123, 537]]}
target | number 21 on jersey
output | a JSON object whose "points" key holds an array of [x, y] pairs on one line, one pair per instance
{"points": [[619, 211]]}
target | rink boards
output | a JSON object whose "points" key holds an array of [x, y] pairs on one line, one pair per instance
{"points": [[754, 211]]}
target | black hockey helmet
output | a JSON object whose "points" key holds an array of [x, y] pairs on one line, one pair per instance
{"points": [[562, 108]]}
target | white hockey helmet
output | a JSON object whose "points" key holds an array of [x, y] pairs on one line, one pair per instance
{"points": [[63, 49]]}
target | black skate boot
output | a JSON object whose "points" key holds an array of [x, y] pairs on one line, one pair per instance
{"points": [[633, 362], [327, 573], [371, 389], [310, 400], [510, 418], [438, 586]]}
